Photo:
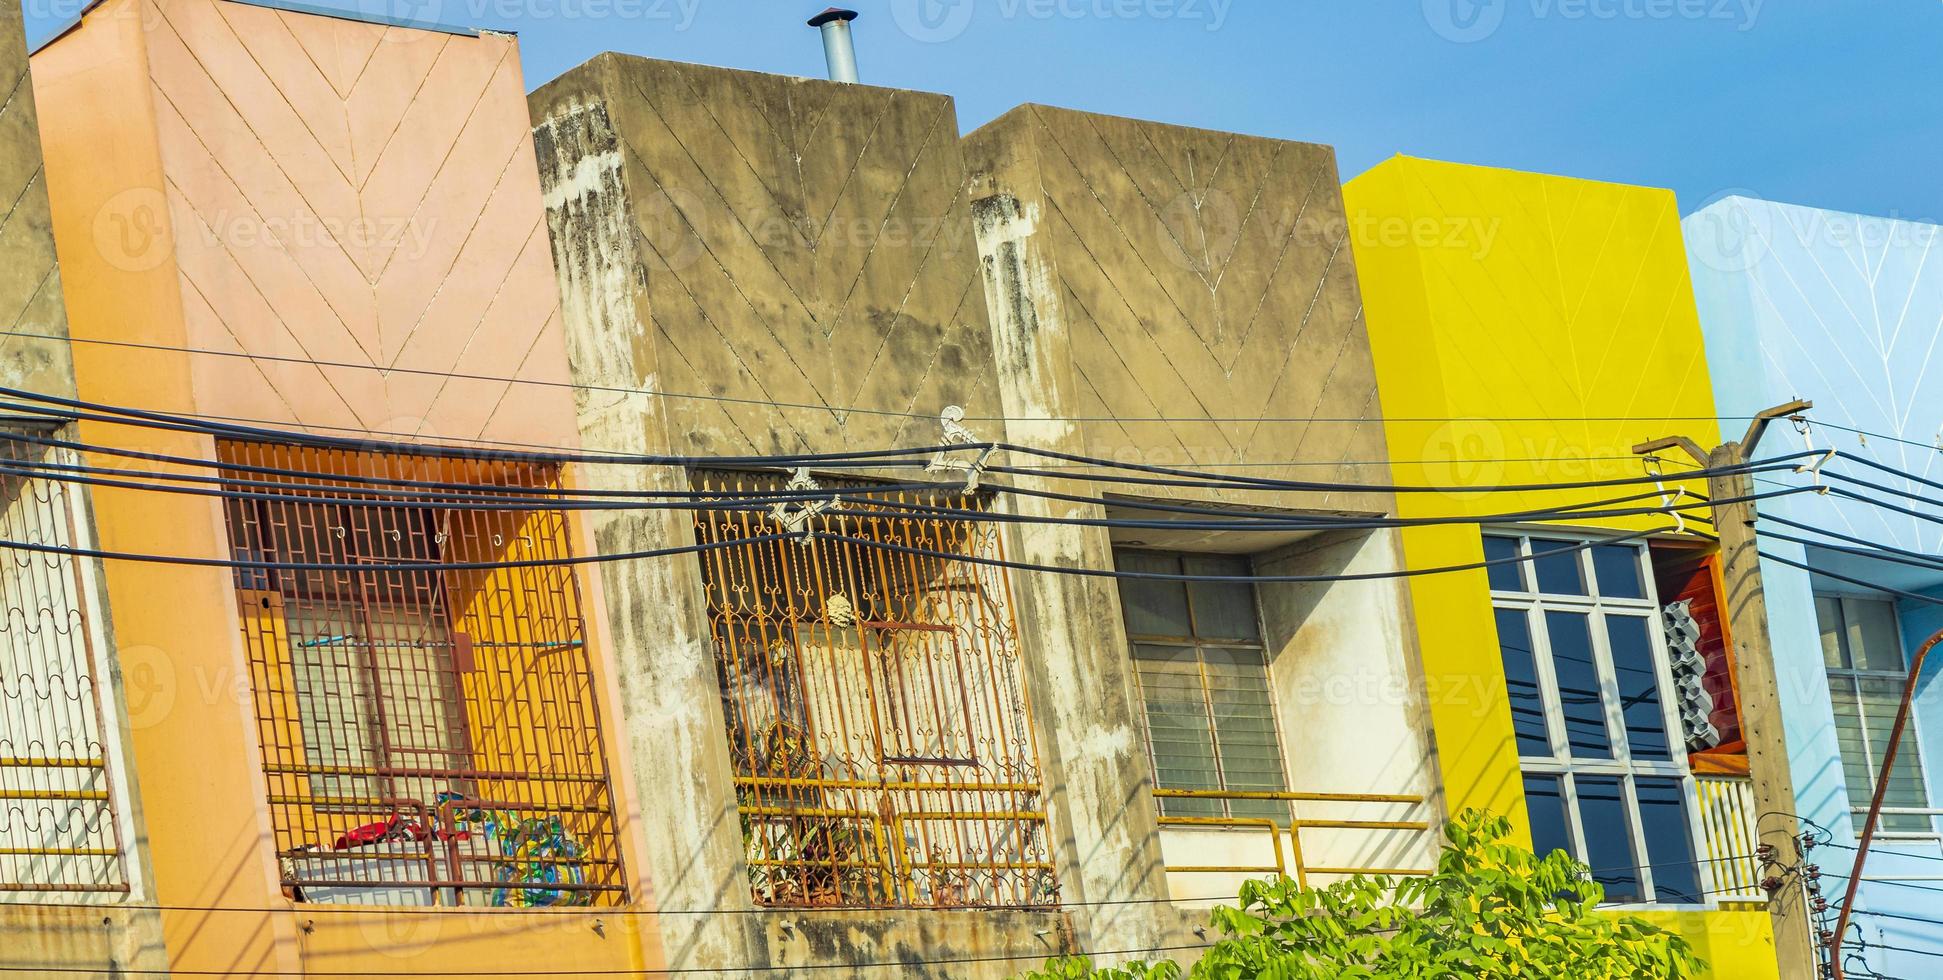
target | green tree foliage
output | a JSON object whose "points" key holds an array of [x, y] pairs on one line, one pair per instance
{"points": [[1492, 910]]}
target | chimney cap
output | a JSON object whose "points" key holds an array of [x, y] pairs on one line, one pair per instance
{"points": [[832, 14]]}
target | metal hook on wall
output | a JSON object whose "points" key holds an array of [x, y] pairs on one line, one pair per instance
{"points": [[1814, 469], [956, 434]]}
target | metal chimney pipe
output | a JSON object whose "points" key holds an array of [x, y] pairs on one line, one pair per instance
{"points": [[838, 49]]}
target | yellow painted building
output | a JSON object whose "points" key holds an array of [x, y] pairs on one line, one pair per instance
{"points": [[1531, 329]]}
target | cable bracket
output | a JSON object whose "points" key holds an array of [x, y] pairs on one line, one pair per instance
{"points": [[956, 434], [1807, 430], [1668, 498], [795, 515]]}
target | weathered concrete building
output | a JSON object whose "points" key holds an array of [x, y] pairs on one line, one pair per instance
{"points": [[871, 744], [76, 890]]}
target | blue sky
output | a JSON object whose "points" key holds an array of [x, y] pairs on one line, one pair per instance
{"points": [[1830, 103]]}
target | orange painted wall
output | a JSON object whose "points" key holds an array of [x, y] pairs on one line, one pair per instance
{"points": [[298, 188]]}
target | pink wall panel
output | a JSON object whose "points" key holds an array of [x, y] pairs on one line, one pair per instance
{"points": [[363, 196]]}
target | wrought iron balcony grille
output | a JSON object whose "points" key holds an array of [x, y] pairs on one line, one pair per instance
{"points": [[430, 736], [59, 829], [874, 702]]}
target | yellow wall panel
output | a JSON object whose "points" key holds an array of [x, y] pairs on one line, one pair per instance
{"points": [[1527, 329]]}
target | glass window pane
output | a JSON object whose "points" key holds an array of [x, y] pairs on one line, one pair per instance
{"points": [[1521, 682], [1618, 568], [1858, 769], [1222, 610], [1152, 608], [1178, 731], [1872, 634], [1608, 839], [1829, 612], [1244, 728], [1669, 841], [1545, 807], [1557, 566], [1880, 699], [1639, 687], [1504, 578], [1579, 694]]}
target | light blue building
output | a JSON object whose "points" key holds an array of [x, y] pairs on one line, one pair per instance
{"points": [[1846, 311]]}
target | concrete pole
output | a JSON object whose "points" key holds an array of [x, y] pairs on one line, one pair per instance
{"points": [[1758, 690], [1759, 694]]}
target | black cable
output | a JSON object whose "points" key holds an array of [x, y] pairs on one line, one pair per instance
{"points": [[1891, 470], [1877, 586], [1865, 944], [311, 494], [807, 406], [376, 567], [1878, 850], [625, 972], [1272, 579], [1876, 549], [775, 494], [1894, 556], [74, 409], [593, 912], [1222, 482]]}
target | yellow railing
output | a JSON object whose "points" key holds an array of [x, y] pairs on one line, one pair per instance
{"points": [[1294, 865], [1730, 872]]}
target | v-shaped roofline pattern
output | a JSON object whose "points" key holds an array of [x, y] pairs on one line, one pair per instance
{"points": [[290, 6]]}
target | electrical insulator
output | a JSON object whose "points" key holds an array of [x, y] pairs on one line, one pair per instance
{"points": [[1765, 852], [1771, 884]]}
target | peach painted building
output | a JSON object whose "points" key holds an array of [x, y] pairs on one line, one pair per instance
{"points": [[283, 219]]}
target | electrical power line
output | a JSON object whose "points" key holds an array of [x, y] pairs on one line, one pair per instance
{"points": [[838, 409], [72, 409]]}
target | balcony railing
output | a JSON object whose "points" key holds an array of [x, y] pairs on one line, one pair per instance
{"points": [[1293, 861], [1729, 870]]}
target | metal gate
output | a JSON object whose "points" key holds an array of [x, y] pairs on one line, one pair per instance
{"points": [[59, 829], [874, 702], [430, 736]]}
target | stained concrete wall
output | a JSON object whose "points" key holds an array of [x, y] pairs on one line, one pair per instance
{"points": [[776, 251], [67, 935], [1171, 296], [758, 264]]}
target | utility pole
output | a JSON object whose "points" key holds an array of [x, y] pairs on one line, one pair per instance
{"points": [[1755, 682]]}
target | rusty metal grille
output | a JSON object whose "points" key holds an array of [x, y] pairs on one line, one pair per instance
{"points": [[59, 829], [875, 705], [430, 737]]}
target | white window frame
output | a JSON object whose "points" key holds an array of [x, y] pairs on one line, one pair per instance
{"points": [[1912, 740], [1561, 763]]}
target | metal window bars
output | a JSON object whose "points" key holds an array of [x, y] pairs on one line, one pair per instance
{"points": [[874, 701], [430, 737], [59, 825]]}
